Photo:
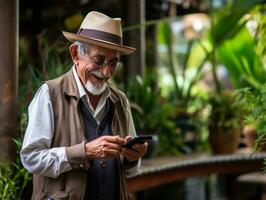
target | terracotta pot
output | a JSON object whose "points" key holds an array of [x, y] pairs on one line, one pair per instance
{"points": [[249, 136], [224, 142]]}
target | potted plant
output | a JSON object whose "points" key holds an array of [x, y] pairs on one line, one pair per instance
{"points": [[253, 101], [225, 123], [226, 112], [252, 94], [244, 62]]}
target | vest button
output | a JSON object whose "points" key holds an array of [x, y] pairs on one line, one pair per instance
{"points": [[75, 166], [103, 164], [81, 166]]}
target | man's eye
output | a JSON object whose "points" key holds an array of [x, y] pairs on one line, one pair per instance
{"points": [[99, 61], [113, 63]]}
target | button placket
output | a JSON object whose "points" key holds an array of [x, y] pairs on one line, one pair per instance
{"points": [[103, 164]]}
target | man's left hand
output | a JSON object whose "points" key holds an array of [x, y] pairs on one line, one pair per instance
{"points": [[137, 151]]}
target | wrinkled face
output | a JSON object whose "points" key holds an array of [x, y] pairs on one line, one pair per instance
{"points": [[95, 67]]}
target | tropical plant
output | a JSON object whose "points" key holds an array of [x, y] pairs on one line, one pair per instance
{"points": [[185, 97], [8, 187], [226, 112], [151, 114], [254, 101], [253, 97], [241, 61], [146, 101], [13, 177], [183, 76], [226, 24]]}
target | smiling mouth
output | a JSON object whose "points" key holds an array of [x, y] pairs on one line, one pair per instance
{"points": [[98, 78]]}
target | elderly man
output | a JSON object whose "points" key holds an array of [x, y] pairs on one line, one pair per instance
{"points": [[78, 123]]}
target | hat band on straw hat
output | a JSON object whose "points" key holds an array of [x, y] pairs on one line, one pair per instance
{"points": [[101, 35]]}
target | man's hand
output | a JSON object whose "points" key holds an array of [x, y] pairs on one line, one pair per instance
{"points": [[137, 151], [105, 147]]}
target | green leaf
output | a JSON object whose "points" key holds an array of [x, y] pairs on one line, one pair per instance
{"points": [[227, 24], [164, 33]]}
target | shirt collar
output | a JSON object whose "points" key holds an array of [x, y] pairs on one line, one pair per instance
{"points": [[81, 90]]}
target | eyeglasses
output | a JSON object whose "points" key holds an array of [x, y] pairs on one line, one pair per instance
{"points": [[100, 62]]}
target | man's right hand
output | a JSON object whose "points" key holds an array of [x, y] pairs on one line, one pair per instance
{"points": [[105, 147]]}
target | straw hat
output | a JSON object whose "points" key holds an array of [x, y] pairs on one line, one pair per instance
{"points": [[101, 30]]}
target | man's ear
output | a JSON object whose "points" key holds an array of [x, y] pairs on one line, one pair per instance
{"points": [[73, 50]]}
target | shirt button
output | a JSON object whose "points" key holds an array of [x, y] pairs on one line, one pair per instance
{"points": [[81, 165]]}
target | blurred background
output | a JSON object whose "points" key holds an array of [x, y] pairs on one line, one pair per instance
{"points": [[196, 80]]}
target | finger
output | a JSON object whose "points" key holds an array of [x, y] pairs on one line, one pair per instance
{"points": [[131, 158], [140, 147], [98, 147], [114, 139], [130, 153], [111, 146], [109, 153], [127, 138]]}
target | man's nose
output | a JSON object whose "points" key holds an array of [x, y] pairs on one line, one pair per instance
{"points": [[106, 70]]}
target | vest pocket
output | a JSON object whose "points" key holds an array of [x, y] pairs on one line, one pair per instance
{"points": [[60, 195]]}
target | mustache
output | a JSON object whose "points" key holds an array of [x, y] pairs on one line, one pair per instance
{"points": [[99, 75]]}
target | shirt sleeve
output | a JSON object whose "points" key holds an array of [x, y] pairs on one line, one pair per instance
{"points": [[36, 155], [131, 170]]}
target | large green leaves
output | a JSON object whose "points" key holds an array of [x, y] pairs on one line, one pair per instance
{"points": [[227, 22], [240, 57]]}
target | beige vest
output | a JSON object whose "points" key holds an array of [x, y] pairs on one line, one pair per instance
{"points": [[69, 130]]}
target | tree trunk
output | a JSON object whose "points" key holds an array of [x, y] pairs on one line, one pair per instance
{"points": [[8, 78]]}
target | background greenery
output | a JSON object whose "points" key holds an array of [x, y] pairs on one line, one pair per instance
{"points": [[177, 113]]}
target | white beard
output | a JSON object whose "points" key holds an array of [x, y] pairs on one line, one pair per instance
{"points": [[95, 89]]}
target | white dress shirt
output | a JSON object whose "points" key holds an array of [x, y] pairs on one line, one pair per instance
{"points": [[36, 154]]}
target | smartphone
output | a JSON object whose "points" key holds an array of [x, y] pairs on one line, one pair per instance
{"points": [[138, 139]]}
